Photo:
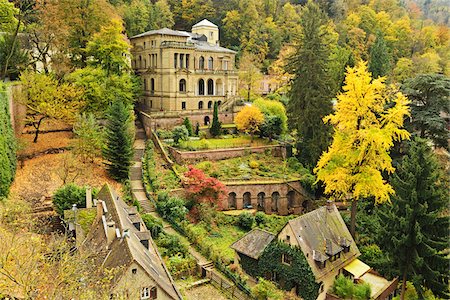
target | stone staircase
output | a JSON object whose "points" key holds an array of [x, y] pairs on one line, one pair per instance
{"points": [[137, 187]]}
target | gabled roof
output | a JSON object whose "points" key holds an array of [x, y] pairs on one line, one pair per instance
{"points": [[253, 243], [206, 23], [322, 234], [125, 250], [163, 31]]}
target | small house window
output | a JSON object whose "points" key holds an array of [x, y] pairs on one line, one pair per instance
{"points": [[182, 85], [210, 63], [201, 63], [134, 271], [183, 105], [145, 293], [288, 239], [286, 259], [153, 293]]}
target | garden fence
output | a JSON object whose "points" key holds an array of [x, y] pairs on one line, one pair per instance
{"points": [[230, 290]]}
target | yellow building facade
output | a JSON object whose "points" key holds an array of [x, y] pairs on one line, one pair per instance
{"points": [[184, 73]]}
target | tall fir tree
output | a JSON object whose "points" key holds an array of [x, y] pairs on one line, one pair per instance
{"points": [[379, 61], [310, 94], [416, 224], [118, 150], [216, 126]]}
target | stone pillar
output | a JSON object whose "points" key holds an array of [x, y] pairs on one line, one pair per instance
{"points": [[88, 197]]}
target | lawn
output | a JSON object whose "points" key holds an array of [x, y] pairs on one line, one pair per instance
{"points": [[227, 141], [256, 166]]}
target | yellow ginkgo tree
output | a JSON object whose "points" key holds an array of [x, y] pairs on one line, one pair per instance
{"points": [[367, 120]]}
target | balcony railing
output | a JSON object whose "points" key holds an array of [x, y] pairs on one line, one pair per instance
{"points": [[172, 44], [218, 72]]}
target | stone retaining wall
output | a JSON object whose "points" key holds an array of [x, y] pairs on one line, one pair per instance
{"points": [[282, 198], [182, 157]]}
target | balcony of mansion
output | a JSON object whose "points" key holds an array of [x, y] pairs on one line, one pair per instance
{"points": [[184, 73]]}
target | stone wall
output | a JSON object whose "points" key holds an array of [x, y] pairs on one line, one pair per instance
{"points": [[170, 120], [182, 157], [282, 198]]}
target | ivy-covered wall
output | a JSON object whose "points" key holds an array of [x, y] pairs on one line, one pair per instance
{"points": [[297, 274], [8, 160]]}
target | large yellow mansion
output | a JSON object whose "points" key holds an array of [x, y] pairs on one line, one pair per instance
{"points": [[184, 73]]}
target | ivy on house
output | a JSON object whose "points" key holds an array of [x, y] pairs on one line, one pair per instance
{"points": [[297, 274]]}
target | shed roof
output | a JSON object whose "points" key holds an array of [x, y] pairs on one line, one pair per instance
{"points": [[253, 243]]}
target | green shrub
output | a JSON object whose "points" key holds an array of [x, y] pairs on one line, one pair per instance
{"points": [[154, 225], [181, 266], [346, 289], [187, 123], [362, 291], [66, 196], [246, 220], [179, 133], [171, 207], [260, 218], [265, 289], [164, 134], [171, 245]]}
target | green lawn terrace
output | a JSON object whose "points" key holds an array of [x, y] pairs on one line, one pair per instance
{"points": [[259, 167], [224, 142]]}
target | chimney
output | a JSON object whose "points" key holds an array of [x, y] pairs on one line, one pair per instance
{"points": [[99, 210], [88, 197], [329, 205]]}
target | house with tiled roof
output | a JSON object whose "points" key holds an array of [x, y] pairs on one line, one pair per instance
{"points": [[324, 241], [122, 242]]}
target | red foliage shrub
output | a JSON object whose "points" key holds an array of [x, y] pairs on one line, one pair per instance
{"points": [[203, 189]]}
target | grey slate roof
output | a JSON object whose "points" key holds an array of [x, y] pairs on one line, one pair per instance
{"points": [[322, 233], [253, 243], [163, 31], [123, 251]]}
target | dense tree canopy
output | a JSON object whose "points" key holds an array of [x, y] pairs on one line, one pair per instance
{"points": [[367, 120], [430, 105], [415, 231]]}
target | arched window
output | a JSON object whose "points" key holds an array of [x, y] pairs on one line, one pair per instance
{"points": [[201, 63], [200, 105], [210, 63], [145, 63], [182, 85], [261, 201], [201, 87], [210, 87], [247, 200], [210, 104], [275, 199], [232, 200], [291, 199], [140, 62], [145, 84], [152, 85], [206, 120]]}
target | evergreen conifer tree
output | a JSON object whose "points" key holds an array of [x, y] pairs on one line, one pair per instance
{"points": [[416, 225], [187, 123], [118, 150], [216, 126], [8, 159], [379, 57], [311, 92]]}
